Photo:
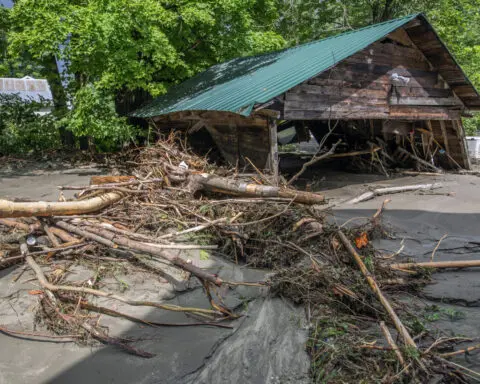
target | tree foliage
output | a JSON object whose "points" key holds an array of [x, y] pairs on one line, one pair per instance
{"points": [[22, 130], [116, 48], [306, 20]]}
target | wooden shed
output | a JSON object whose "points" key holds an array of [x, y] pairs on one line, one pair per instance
{"points": [[388, 87]]}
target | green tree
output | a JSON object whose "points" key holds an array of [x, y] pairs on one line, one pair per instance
{"points": [[306, 20], [21, 65], [118, 46], [458, 24]]}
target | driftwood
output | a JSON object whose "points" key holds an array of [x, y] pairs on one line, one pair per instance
{"points": [[95, 292], [393, 345], [376, 289], [43, 208], [232, 187], [416, 173], [19, 225], [390, 190], [418, 160], [438, 264], [51, 236], [111, 240], [65, 236], [462, 351]]}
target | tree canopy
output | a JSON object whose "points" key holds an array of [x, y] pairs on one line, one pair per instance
{"points": [[114, 49]]}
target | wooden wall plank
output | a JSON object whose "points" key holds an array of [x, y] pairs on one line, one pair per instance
{"points": [[383, 81], [441, 101]]}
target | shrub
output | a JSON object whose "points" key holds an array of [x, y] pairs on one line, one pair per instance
{"points": [[22, 130]]}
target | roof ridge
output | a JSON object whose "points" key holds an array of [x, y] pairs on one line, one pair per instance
{"points": [[411, 16]]}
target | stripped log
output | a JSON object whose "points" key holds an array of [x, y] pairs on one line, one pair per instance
{"points": [[44, 208], [390, 190], [376, 289], [232, 187], [438, 264]]}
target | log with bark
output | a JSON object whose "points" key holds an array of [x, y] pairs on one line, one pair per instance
{"points": [[237, 188]]}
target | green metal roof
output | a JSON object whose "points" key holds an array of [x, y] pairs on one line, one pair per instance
{"points": [[237, 85]]}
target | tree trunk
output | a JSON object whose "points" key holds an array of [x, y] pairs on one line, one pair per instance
{"points": [[233, 187], [44, 208]]}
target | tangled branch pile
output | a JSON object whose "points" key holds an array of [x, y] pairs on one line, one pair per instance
{"points": [[173, 202]]}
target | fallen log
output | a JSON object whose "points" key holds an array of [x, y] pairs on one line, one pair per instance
{"points": [[438, 264], [376, 289], [390, 190], [233, 187], [44, 208]]}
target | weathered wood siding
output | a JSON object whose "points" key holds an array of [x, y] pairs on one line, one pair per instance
{"points": [[238, 139], [390, 79]]}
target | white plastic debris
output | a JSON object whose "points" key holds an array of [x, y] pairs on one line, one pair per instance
{"points": [[183, 165], [399, 79]]}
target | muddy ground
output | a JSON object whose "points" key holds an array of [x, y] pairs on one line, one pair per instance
{"points": [[267, 345]]}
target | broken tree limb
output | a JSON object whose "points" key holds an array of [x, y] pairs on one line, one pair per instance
{"points": [[438, 264], [111, 312], [461, 352], [88, 235], [95, 292], [65, 236], [418, 160], [104, 338], [19, 225], [233, 187], [393, 345], [51, 236], [44, 208], [313, 160], [166, 245], [376, 289], [103, 236], [390, 190]]}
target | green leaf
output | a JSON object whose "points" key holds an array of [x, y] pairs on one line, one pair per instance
{"points": [[204, 255]]}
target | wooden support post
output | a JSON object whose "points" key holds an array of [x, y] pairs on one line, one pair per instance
{"points": [[458, 126], [273, 157], [446, 144]]}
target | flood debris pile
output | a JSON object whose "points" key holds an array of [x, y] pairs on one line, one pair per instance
{"points": [[172, 202]]}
